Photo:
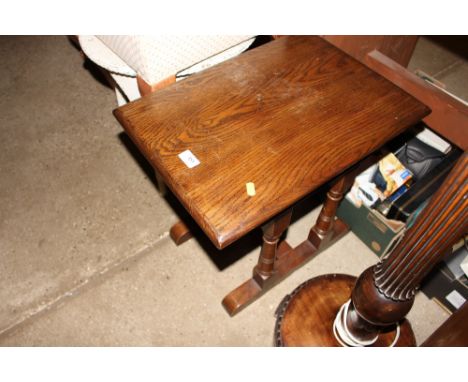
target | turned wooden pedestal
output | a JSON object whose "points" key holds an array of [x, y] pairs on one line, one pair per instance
{"points": [[306, 316], [317, 313]]}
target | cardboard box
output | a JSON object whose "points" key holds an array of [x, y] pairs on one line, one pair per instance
{"points": [[404, 207], [446, 283], [377, 232], [449, 292]]}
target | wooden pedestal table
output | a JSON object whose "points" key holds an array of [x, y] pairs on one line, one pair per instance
{"points": [[287, 117], [335, 310]]}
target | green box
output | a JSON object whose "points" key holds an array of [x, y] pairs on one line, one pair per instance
{"points": [[377, 232]]}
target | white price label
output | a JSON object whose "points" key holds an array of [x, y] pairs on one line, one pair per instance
{"points": [[455, 298], [189, 159]]}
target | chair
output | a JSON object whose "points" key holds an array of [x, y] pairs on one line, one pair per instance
{"points": [[138, 65]]}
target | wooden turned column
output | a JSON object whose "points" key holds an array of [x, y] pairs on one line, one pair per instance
{"points": [[277, 259], [269, 269], [272, 232], [328, 228], [384, 293], [335, 310], [324, 224]]}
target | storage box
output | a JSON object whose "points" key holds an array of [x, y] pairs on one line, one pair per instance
{"points": [[420, 191], [377, 232], [446, 283]]}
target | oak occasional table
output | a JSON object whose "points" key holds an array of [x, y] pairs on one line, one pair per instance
{"points": [[288, 117]]}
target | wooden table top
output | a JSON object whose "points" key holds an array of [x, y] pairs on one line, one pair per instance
{"points": [[288, 116]]}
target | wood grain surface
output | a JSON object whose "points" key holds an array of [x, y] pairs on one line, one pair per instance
{"points": [[306, 316], [397, 48], [453, 332], [288, 116], [449, 116]]}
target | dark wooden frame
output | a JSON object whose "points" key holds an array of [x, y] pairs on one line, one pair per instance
{"points": [[373, 306]]}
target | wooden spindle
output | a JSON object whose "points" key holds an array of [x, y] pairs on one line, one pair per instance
{"points": [[323, 314], [384, 293], [272, 232]]}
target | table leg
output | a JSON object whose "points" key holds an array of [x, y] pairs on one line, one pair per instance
{"points": [[277, 260], [272, 231], [180, 233], [265, 272], [161, 185], [327, 225]]}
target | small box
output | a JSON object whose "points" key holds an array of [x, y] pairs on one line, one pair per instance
{"points": [[441, 285], [421, 190], [377, 232], [390, 176]]}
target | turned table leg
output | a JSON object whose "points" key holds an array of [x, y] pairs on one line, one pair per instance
{"points": [[265, 273], [272, 232], [277, 259], [323, 230]]}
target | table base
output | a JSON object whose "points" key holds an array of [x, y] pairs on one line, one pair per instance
{"points": [[306, 316], [287, 261]]}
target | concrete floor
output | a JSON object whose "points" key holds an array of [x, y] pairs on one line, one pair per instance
{"points": [[85, 257]]}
